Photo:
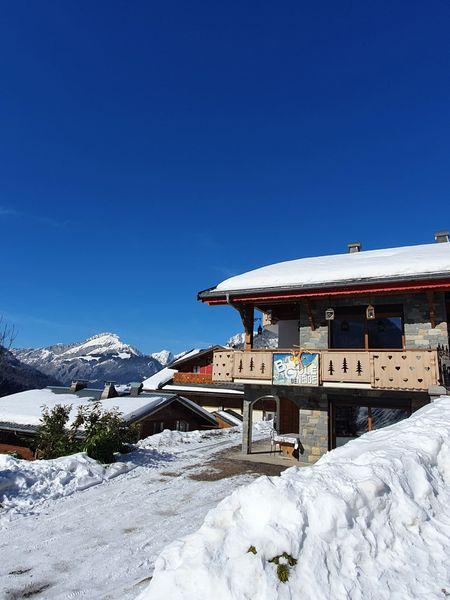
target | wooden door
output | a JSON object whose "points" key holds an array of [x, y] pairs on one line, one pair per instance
{"points": [[289, 417]]}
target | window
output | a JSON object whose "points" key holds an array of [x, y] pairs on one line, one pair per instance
{"points": [[350, 422], [350, 328], [347, 330]]}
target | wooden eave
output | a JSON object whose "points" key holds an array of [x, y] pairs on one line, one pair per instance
{"points": [[254, 297]]}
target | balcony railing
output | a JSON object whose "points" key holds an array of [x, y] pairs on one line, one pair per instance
{"points": [[384, 369], [192, 378]]}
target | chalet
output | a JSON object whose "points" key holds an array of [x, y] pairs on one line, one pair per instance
{"points": [[362, 341], [153, 412], [191, 376]]}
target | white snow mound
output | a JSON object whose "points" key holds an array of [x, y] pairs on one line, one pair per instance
{"points": [[370, 520], [25, 484]]}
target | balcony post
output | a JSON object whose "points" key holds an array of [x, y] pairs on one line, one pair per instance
{"points": [[248, 318], [247, 426]]}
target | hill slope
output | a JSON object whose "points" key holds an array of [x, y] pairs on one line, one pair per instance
{"points": [[16, 376]]}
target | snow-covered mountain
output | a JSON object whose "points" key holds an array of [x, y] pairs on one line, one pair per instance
{"points": [[16, 376], [164, 357], [267, 339], [100, 358]]}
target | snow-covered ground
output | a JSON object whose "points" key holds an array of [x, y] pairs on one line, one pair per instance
{"points": [[370, 520], [70, 528]]}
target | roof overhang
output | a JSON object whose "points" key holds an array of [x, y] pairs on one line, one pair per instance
{"points": [[436, 282]]}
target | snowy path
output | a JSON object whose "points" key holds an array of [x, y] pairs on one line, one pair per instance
{"points": [[102, 542]]}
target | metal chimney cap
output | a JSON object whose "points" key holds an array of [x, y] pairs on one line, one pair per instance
{"points": [[354, 247], [442, 236]]}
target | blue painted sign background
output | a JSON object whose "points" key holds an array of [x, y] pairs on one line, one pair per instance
{"points": [[296, 369]]}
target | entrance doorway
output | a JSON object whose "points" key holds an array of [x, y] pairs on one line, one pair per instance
{"points": [[349, 420]]}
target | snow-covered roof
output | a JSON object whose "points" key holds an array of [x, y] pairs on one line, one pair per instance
{"points": [[25, 408], [156, 381], [407, 262], [202, 388], [185, 355], [229, 417]]}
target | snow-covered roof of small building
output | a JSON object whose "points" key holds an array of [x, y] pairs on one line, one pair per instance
{"points": [[408, 262], [156, 381], [25, 408]]}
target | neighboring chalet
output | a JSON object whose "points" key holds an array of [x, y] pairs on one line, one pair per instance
{"points": [[362, 341], [191, 376], [20, 413]]}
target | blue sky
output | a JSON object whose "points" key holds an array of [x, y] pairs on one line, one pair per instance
{"points": [[149, 150]]}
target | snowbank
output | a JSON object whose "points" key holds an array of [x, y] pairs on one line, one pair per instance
{"points": [[370, 520], [23, 484], [176, 441], [173, 441]]}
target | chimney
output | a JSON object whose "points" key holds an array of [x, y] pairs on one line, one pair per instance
{"points": [[109, 391], [354, 247], [136, 388], [442, 236], [78, 384]]}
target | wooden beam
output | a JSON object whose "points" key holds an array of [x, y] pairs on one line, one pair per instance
{"points": [[440, 285], [312, 323], [248, 320], [431, 310]]}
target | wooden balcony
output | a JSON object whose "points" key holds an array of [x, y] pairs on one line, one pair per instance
{"points": [[385, 369], [192, 378]]}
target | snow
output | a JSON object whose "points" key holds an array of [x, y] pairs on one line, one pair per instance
{"points": [[164, 357], [188, 354], [371, 520], [102, 541], [267, 339], [24, 484], [102, 343], [188, 388], [407, 261], [157, 380], [25, 408], [232, 418]]}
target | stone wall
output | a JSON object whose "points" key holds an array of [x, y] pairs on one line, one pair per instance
{"points": [[418, 330], [419, 334], [313, 434]]}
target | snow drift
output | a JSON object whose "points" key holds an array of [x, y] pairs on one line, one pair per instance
{"points": [[369, 520], [24, 484]]}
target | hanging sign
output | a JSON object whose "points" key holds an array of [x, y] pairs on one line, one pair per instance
{"points": [[296, 368]]}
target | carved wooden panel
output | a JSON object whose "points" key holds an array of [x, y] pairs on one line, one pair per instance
{"points": [[223, 362], [252, 365], [346, 367], [410, 370]]}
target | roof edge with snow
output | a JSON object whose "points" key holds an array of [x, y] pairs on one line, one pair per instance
{"points": [[407, 264]]}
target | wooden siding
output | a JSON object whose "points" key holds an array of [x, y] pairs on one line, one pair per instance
{"points": [[192, 378]]}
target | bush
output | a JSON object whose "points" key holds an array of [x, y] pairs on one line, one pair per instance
{"points": [[53, 439], [105, 433], [100, 433]]}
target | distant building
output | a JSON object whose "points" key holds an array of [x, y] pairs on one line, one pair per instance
{"points": [[153, 412], [191, 376]]}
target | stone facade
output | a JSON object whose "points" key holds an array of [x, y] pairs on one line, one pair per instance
{"points": [[419, 334], [313, 418], [313, 434], [313, 404]]}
